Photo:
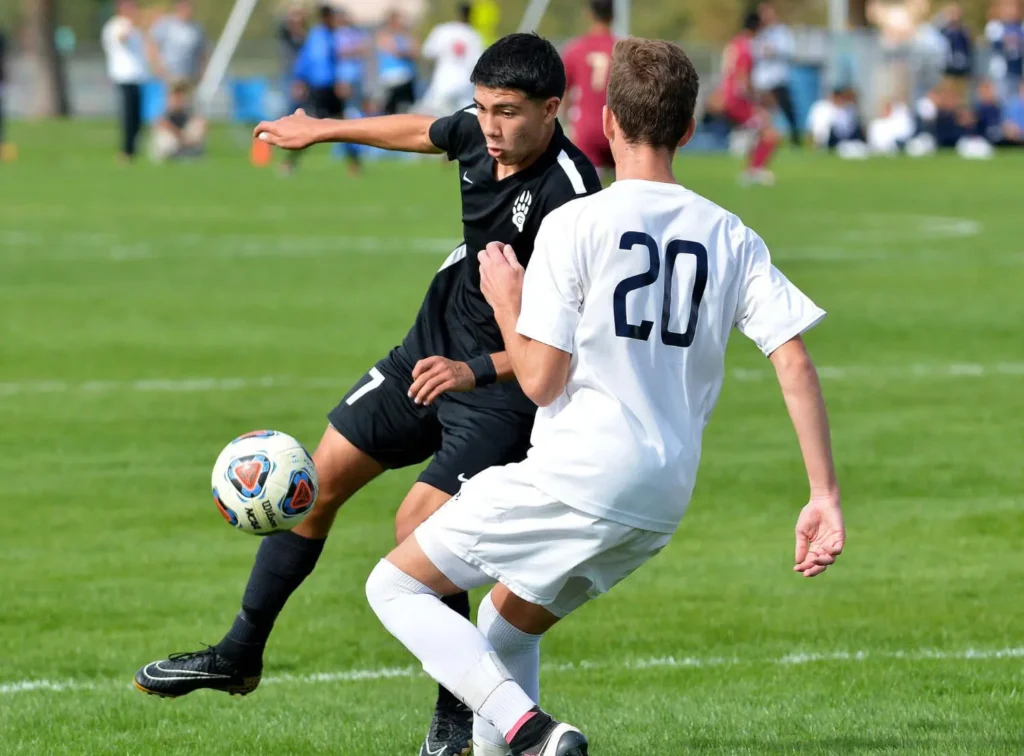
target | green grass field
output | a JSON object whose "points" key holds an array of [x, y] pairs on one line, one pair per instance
{"points": [[148, 315]]}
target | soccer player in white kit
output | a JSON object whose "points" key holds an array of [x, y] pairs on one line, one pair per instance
{"points": [[454, 47], [618, 333]]}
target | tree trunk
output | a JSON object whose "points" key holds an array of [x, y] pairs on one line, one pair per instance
{"points": [[50, 76], [858, 13]]}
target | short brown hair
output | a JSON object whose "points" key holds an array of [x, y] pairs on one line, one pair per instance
{"points": [[652, 91]]}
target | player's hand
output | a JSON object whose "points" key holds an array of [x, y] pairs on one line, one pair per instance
{"points": [[501, 277], [820, 535], [434, 376], [295, 132]]}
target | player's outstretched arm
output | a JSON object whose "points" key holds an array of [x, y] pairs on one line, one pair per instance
{"points": [[820, 532], [401, 133]]}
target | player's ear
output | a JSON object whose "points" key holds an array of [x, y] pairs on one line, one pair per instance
{"points": [[607, 123], [551, 109], [689, 133]]}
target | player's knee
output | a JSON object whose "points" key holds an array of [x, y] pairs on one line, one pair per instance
{"points": [[387, 584]]}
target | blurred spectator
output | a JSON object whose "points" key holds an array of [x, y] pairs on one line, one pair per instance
{"points": [[3, 78], [125, 47], [396, 64], [291, 34], [179, 133], [898, 24], [835, 120], [353, 46], [454, 47], [889, 133], [988, 114], [316, 77], [1013, 119], [959, 65], [944, 117], [180, 45], [588, 62], [1006, 35], [774, 47]]}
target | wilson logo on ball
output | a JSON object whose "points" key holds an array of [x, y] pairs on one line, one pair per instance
{"points": [[249, 474], [301, 494]]}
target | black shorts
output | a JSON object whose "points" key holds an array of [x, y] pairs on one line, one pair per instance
{"points": [[325, 103], [378, 418]]}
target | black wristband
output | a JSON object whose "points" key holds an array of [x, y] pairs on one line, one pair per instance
{"points": [[483, 370]]}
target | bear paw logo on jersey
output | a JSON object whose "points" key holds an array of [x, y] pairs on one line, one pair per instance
{"points": [[520, 209]]}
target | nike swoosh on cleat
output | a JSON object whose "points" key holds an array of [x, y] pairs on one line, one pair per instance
{"points": [[189, 674]]}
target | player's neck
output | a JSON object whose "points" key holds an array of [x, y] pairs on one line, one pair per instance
{"points": [[598, 29], [504, 171], [641, 163]]}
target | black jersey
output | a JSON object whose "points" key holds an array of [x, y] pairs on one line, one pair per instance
{"points": [[455, 320]]}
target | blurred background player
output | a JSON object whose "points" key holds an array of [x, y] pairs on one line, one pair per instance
{"points": [[180, 132], [316, 78], [741, 108], [588, 61], [774, 47], [180, 45], [5, 150], [396, 64], [124, 45], [291, 34], [1005, 33], [454, 48]]}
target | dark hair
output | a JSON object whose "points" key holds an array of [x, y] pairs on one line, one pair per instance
{"points": [[524, 62], [603, 10], [463, 11], [327, 13], [752, 21], [652, 91]]}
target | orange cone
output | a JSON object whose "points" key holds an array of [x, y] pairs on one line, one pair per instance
{"points": [[261, 153]]}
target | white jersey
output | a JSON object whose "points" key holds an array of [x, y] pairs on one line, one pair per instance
{"points": [[125, 49], [642, 283], [455, 48]]}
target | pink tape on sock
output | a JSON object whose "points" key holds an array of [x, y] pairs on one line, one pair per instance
{"points": [[522, 720]]}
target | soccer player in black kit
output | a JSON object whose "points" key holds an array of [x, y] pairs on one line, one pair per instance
{"points": [[448, 391]]}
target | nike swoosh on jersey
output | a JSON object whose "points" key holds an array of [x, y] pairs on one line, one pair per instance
{"points": [[466, 178], [462, 478]]}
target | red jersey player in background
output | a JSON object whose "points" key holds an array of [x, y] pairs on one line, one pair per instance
{"points": [[741, 107], [587, 62]]}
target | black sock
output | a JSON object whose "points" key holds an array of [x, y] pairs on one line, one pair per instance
{"points": [[282, 562], [532, 731], [457, 602]]}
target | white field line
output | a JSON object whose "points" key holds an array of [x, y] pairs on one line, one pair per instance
{"points": [[629, 665], [952, 371]]}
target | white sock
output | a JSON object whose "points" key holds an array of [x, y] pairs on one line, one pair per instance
{"points": [[449, 647], [519, 652]]}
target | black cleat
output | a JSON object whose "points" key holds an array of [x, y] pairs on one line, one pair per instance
{"points": [[181, 674], [451, 732], [543, 736]]}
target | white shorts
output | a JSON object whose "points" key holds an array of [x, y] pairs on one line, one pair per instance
{"points": [[500, 528]]}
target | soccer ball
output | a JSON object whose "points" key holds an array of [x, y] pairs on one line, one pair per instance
{"points": [[264, 482]]}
